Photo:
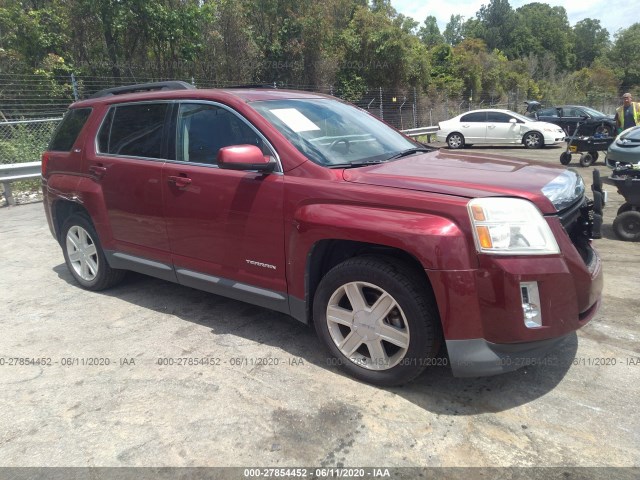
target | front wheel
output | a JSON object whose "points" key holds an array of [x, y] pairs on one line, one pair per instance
{"points": [[565, 158], [455, 141], [533, 140], [605, 130], [84, 256], [377, 319]]}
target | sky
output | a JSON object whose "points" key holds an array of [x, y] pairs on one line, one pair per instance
{"points": [[613, 14]]}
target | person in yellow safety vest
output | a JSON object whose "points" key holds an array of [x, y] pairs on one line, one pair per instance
{"points": [[627, 115]]}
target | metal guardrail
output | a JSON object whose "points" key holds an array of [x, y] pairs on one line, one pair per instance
{"points": [[31, 170], [429, 132], [17, 171]]}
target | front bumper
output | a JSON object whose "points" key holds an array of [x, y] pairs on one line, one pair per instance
{"points": [[482, 312], [629, 157], [479, 358]]}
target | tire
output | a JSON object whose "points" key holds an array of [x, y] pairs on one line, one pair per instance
{"points": [[626, 226], [533, 140], [455, 141], [353, 332], [565, 158], [606, 130], [84, 256], [595, 155], [586, 160], [625, 207]]}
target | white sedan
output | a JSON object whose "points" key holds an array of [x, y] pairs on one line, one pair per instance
{"points": [[497, 126]]}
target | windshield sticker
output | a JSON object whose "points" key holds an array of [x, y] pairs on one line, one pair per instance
{"points": [[295, 120]]}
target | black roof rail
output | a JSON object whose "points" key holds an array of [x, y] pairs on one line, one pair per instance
{"points": [[143, 87], [254, 85]]}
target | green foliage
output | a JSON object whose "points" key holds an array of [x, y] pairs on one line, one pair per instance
{"points": [[352, 45], [626, 55], [453, 32], [544, 29], [591, 41], [24, 142], [429, 33]]}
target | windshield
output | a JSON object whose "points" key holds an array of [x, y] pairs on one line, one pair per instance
{"points": [[332, 133], [631, 134], [518, 116], [593, 113]]}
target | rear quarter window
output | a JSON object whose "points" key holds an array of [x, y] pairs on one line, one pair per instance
{"points": [[67, 132]]}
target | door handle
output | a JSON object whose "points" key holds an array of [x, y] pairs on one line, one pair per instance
{"points": [[179, 182], [97, 171]]}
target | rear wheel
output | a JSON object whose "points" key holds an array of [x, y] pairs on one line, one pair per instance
{"points": [[586, 160], [625, 207], [84, 256], [377, 319], [565, 158], [455, 140], [627, 226], [533, 140]]}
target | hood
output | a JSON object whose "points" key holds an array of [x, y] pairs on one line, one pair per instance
{"points": [[462, 174], [540, 125]]}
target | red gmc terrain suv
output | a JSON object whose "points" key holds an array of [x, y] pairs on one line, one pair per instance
{"points": [[307, 205]]}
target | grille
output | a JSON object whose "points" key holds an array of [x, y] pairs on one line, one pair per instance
{"points": [[577, 221]]}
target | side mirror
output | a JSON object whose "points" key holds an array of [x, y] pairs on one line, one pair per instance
{"points": [[244, 157], [513, 120]]}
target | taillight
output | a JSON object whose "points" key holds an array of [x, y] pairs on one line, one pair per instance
{"points": [[45, 163]]}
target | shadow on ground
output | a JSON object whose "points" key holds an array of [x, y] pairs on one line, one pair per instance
{"points": [[436, 390]]}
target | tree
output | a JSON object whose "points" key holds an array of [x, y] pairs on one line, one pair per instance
{"points": [[496, 24], [429, 33], [625, 55], [543, 29], [453, 31], [591, 41]]}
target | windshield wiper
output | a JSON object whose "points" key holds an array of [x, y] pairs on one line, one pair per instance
{"points": [[410, 151], [363, 163]]}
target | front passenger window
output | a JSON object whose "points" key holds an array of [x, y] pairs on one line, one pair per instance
{"points": [[204, 129]]}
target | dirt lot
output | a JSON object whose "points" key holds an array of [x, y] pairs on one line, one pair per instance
{"points": [[269, 397]]}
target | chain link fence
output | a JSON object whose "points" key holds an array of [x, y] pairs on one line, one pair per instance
{"points": [[31, 105], [25, 140]]}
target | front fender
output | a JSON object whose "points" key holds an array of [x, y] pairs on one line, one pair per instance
{"points": [[436, 242]]}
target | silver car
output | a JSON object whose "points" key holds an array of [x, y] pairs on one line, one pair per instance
{"points": [[625, 148]]}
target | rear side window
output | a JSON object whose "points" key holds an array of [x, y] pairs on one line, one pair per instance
{"points": [[134, 130], [474, 117], [548, 112], [69, 129]]}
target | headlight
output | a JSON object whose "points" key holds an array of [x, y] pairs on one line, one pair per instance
{"points": [[510, 226], [565, 189]]}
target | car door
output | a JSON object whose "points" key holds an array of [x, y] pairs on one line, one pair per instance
{"points": [[570, 118], [473, 126], [500, 128], [225, 227], [126, 165], [550, 115]]}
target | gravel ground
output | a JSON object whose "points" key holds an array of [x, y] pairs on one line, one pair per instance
{"points": [[269, 397]]}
